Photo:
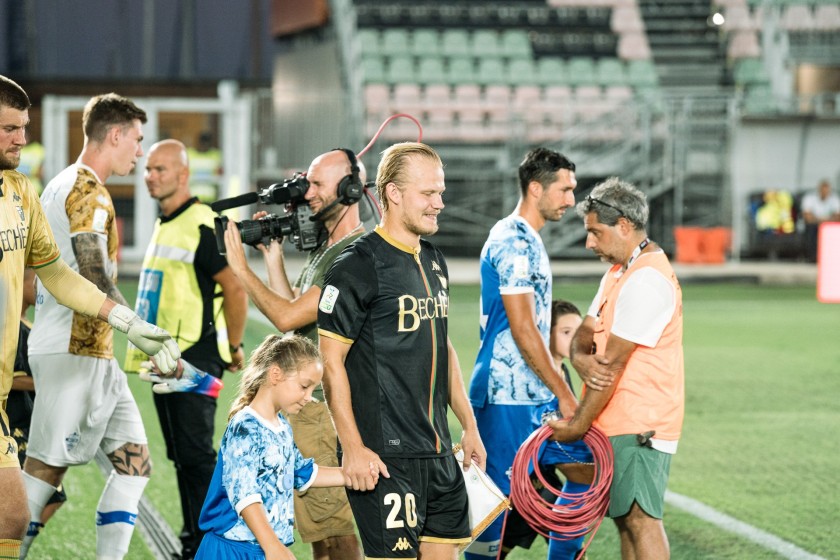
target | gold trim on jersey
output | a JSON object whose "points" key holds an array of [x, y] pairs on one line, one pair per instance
{"points": [[334, 336], [391, 241]]}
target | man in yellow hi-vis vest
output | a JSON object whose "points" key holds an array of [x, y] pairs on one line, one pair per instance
{"points": [[182, 271]]}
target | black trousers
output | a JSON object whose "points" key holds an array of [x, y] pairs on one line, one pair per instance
{"points": [[186, 420]]}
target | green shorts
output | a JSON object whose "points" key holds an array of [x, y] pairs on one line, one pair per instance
{"points": [[640, 474], [320, 513]]}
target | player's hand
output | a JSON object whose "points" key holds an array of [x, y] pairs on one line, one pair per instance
{"points": [[593, 371], [152, 340], [234, 251], [187, 379], [362, 469], [473, 447], [237, 360], [564, 430]]}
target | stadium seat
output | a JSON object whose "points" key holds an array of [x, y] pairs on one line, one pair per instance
{"points": [[455, 43], [430, 70], [641, 73], [491, 71], [521, 71], [611, 72], [400, 69], [406, 99], [626, 19], [827, 17], [551, 70], [369, 42], [373, 69], [496, 97], [581, 70], [437, 95], [425, 42], [460, 71], [743, 44], [516, 44], [797, 17], [633, 46], [485, 43], [737, 17], [526, 102], [466, 96], [750, 71], [394, 42], [377, 97]]}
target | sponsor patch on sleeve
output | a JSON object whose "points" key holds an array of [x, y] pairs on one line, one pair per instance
{"points": [[100, 218], [328, 299], [520, 266]]}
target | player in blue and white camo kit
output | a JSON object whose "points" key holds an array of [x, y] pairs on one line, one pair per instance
{"points": [[249, 510], [515, 379]]}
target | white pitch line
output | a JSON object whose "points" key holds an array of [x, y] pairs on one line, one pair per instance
{"points": [[727, 523]]}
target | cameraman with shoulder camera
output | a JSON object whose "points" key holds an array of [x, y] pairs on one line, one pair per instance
{"points": [[322, 515]]}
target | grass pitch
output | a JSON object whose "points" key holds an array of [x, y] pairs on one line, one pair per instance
{"points": [[760, 441]]}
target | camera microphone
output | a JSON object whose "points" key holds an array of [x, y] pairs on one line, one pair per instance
{"points": [[235, 202]]}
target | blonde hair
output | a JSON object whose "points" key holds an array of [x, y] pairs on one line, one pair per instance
{"points": [[289, 354], [392, 166]]}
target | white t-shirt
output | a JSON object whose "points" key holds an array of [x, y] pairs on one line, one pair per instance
{"points": [[821, 209]]}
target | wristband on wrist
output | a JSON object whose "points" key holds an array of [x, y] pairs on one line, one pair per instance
{"points": [[235, 348]]}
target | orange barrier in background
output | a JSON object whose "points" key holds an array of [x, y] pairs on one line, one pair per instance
{"points": [[702, 245]]}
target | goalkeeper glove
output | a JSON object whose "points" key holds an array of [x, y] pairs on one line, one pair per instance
{"points": [[187, 379], [149, 338]]}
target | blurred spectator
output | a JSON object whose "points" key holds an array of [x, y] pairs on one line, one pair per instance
{"points": [[205, 168], [817, 207], [32, 163], [776, 214]]}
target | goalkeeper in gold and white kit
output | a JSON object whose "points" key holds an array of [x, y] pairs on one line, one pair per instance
{"points": [[83, 402]]}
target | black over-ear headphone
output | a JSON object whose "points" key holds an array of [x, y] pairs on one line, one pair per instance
{"points": [[350, 187]]}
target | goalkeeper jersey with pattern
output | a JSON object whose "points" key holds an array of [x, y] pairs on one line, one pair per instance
{"points": [[76, 202], [391, 302]]}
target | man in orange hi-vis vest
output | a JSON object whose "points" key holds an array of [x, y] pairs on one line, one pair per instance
{"points": [[629, 353]]}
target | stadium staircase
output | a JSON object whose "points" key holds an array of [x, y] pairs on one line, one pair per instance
{"points": [[690, 60]]}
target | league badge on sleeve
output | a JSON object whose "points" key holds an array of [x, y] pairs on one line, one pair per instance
{"points": [[328, 299]]}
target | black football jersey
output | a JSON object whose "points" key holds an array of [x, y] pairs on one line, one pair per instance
{"points": [[391, 303]]}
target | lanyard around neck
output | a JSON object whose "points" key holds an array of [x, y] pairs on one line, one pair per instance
{"points": [[637, 251]]}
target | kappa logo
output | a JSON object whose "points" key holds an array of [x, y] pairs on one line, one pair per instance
{"points": [[402, 544], [10, 449], [436, 266]]}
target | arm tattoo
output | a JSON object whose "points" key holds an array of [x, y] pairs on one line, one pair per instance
{"points": [[90, 256]]}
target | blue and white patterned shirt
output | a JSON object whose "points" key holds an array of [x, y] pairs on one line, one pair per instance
{"points": [[513, 261], [258, 463]]}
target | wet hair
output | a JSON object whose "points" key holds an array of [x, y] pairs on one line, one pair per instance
{"points": [[392, 166], [290, 354], [614, 199], [560, 307], [12, 95], [106, 111], [542, 165]]}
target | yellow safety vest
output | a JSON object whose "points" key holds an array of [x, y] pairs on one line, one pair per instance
{"points": [[168, 294]]}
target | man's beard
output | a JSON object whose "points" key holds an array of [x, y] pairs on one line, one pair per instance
{"points": [[8, 164]]}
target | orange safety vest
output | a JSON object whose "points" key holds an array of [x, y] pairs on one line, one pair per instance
{"points": [[650, 394]]}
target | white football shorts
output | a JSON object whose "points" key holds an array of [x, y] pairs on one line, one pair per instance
{"points": [[81, 404]]}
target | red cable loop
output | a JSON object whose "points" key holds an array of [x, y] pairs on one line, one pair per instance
{"points": [[581, 515], [382, 127]]}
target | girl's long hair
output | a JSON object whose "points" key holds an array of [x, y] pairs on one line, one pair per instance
{"points": [[288, 353]]}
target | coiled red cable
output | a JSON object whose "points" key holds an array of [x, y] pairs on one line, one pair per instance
{"points": [[584, 512]]}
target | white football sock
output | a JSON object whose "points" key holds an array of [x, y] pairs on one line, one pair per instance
{"points": [[38, 493], [116, 514]]}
